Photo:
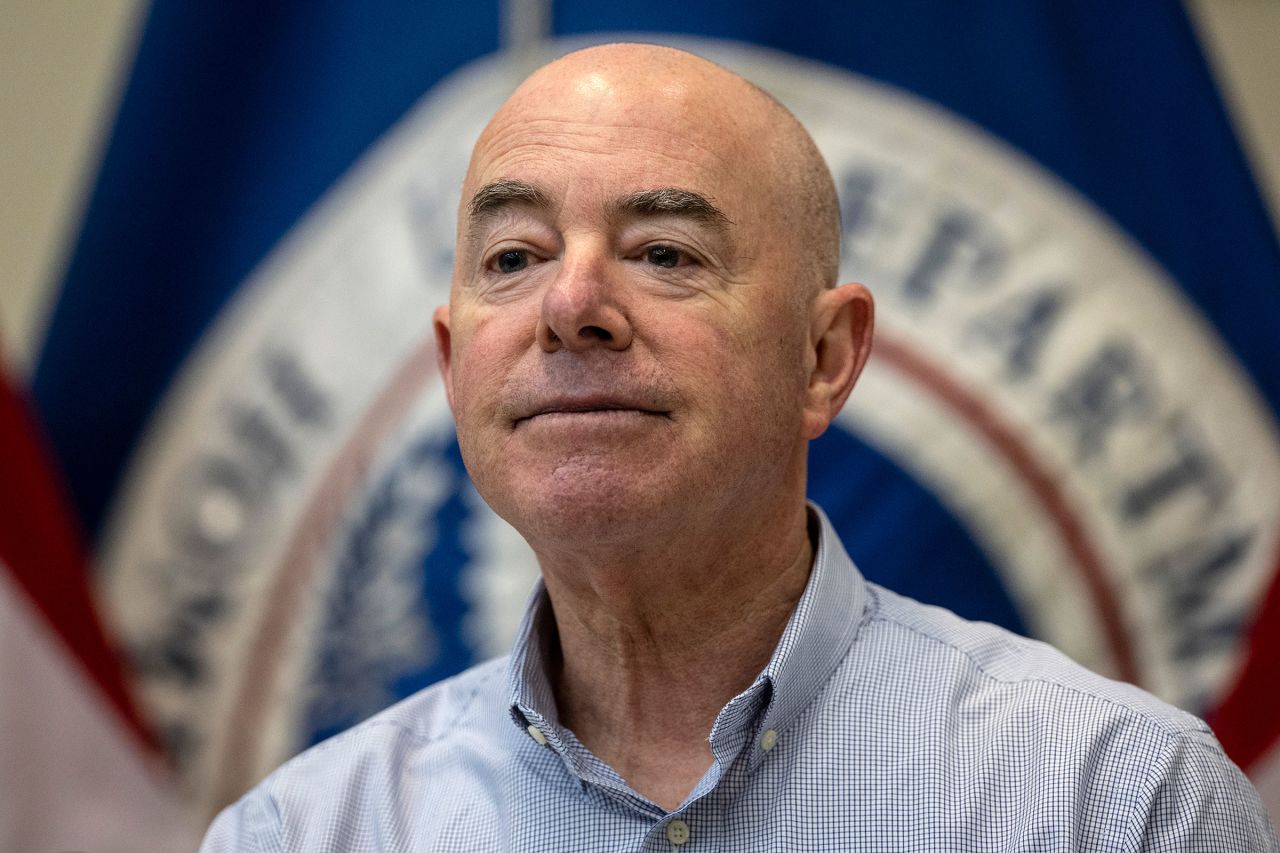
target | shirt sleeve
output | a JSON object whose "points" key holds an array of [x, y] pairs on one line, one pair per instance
{"points": [[251, 825], [1200, 801]]}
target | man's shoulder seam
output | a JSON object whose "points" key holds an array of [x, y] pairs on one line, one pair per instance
{"points": [[1177, 725], [410, 729]]}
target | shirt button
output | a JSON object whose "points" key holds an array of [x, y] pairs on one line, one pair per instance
{"points": [[536, 734], [768, 740], [677, 832]]}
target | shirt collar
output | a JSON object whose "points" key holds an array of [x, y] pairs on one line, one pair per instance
{"points": [[532, 700], [817, 636]]}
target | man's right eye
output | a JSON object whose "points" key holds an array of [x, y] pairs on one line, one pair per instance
{"points": [[512, 260]]}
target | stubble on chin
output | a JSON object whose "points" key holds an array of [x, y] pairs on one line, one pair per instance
{"points": [[594, 496]]}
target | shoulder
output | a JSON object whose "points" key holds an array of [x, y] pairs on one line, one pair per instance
{"points": [[403, 753], [983, 657], [1037, 730], [428, 719]]}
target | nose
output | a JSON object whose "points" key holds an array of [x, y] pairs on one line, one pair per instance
{"points": [[581, 309]]}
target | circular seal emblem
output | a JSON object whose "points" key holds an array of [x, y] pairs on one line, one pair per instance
{"points": [[297, 544]]}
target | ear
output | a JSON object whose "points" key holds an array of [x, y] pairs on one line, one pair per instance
{"points": [[444, 350], [842, 320]]}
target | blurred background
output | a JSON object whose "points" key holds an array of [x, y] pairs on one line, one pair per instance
{"points": [[235, 520], [65, 63]]}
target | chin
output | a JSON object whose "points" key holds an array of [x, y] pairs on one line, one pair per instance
{"points": [[594, 507]]}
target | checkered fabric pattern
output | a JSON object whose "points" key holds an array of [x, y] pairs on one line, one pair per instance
{"points": [[878, 724]]}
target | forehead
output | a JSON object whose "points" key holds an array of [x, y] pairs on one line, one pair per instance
{"points": [[593, 139]]}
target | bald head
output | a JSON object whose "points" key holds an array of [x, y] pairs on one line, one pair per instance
{"points": [[773, 172], [642, 328]]}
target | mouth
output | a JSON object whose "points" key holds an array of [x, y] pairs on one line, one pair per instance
{"points": [[600, 409]]}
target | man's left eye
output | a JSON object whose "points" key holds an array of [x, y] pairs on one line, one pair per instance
{"points": [[663, 256]]}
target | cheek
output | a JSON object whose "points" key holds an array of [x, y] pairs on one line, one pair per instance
{"points": [[763, 373], [740, 372], [485, 356]]}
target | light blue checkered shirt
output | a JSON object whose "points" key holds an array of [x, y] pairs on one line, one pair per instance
{"points": [[878, 724]]}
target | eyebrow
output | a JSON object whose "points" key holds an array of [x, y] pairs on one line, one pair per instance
{"points": [[497, 195], [673, 201]]}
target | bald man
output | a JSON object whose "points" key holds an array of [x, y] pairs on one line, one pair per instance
{"points": [[643, 336]]}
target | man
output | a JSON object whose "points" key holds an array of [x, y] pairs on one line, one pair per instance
{"points": [[642, 338]]}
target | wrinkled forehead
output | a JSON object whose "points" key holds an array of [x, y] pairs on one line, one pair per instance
{"points": [[670, 127]]}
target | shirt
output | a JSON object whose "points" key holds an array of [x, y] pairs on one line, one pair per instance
{"points": [[879, 723]]}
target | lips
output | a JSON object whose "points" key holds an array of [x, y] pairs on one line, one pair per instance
{"points": [[586, 405]]}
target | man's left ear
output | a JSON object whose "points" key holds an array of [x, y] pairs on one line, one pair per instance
{"points": [[842, 321]]}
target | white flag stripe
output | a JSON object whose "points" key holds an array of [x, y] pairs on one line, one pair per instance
{"points": [[1265, 775], [74, 777]]}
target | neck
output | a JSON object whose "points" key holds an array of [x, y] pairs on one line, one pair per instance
{"points": [[656, 637]]}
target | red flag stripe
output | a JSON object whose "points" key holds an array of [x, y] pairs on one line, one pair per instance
{"points": [[43, 549], [1248, 720]]}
